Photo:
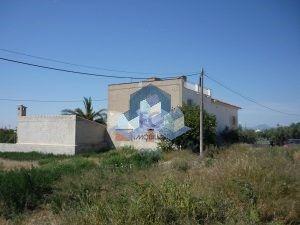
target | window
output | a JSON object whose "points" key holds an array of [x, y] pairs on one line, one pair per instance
{"points": [[233, 121], [190, 101]]}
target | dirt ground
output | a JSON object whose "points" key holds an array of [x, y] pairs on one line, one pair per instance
{"points": [[7, 164]]}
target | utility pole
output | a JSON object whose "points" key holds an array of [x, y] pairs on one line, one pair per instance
{"points": [[201, 111]]}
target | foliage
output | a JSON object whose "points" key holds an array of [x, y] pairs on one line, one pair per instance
{"points": [[240, 135], [190, 139], [88, 112], [280, 134], [165, 145], [7, 136]]}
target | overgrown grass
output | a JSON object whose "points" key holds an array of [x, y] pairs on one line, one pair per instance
{"points": [[32, 156], [240, 185], [26, 188]]}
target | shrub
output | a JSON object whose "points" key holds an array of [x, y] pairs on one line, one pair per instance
{"points": [[180, 165], [7, 135], [128, 158], [231, 136], [165, 145], [190, 139]]}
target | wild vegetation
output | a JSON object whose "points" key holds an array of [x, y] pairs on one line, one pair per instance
{"points": [[190, 139], [7, 135], [281, 134], [276, 136], [237, 185]]}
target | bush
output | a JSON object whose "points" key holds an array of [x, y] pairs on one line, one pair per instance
{"points": [[180, 165], [129, 158], [190, 139], [165, 145], [7, 135], [231, 136]]}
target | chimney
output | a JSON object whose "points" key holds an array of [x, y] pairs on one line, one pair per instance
{"points": [[153, 79], [22, 110], [184, 78]]}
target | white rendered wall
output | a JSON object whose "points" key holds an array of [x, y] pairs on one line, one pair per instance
{"points": [[49, 130], [224, 113], [65, 134]]}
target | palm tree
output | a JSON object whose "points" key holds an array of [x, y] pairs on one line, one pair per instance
{"points": [[88, 112]]}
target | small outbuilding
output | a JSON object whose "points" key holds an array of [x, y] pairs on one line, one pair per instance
{"points": [[61, 134]]}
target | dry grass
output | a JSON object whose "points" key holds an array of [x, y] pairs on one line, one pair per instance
{"points": [[8, 164], [240, 185]]}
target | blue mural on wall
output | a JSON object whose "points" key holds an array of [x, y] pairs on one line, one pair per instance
{"points": [[150, 116]]}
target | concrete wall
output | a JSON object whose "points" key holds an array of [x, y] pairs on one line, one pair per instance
{"points": [[49, 130], [65, 134], [90, 135], [119, 100], [224, 112]]}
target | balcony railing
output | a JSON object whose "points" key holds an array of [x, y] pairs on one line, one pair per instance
{"points": [[195, 87]]}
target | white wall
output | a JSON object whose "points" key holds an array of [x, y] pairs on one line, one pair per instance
{"points": [[55, 130], [65, 134], [224, 113]]}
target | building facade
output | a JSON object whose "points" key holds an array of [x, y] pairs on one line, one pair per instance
{"points": [[158, 99]]}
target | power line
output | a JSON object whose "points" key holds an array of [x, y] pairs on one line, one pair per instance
{"points": [[49, 101], [141, 78], [248, 98], [80, 65], [72, 71]]}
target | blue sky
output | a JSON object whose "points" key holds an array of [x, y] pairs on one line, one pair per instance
{"points": [[250, 46]]}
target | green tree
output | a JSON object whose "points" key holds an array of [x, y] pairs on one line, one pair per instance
{"points": [[7, 135], [230, 136], [190, 139], [280, 134], [88, 112]]}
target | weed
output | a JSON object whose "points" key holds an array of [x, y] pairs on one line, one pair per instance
{"points": [[180, 165], [26, 188]]}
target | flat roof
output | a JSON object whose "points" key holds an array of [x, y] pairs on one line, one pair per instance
{"points": [[152, 79], [225, 103], [158, 79]]}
